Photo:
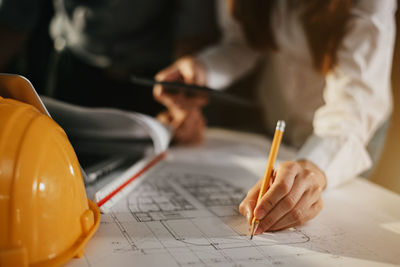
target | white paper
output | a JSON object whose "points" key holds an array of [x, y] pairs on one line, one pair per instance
{"points": [[184, 213], [108, 124]]}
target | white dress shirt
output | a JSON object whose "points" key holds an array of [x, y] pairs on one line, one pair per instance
{"points": [[331, 118]]}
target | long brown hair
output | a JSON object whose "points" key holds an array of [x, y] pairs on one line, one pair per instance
{"points": [[324, 23]]}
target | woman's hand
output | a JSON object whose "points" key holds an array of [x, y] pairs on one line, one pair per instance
{"points": [[293, 198], [183, 109], [186, 69], [188, 125]]}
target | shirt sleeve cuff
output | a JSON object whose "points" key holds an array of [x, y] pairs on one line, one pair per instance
{"points": [[227, 62], [340, 158], [216, 79]]}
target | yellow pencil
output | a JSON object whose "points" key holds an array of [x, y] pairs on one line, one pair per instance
{"points": [[276, 141]]}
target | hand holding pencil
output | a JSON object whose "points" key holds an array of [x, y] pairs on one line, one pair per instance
{"points": [[292, 198]]}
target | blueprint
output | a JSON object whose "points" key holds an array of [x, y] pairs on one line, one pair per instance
{"points": [[184, 213]]}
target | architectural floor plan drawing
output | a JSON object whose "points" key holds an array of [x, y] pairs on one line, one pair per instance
{"points": [[196, 210], [186, 219], [184, 213]]}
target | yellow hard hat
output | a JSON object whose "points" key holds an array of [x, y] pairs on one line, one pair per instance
{"points": [[45, 216]]}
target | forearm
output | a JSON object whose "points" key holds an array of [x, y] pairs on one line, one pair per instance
{"points": [[357, 95]]}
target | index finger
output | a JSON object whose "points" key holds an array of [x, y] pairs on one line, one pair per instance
{"points": [[283, 182], [169, 74], [246, 207]]}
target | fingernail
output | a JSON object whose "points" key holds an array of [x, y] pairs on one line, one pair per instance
{"points": [[260, 214]]}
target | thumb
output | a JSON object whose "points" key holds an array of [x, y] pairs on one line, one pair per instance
{"points": [[188, 71], [171, 73]]}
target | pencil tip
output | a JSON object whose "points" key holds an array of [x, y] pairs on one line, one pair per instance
{"points": [[254, 227]]}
